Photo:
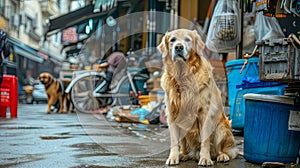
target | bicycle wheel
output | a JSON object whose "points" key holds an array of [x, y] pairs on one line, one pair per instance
{"points": [[124, 90], [82, 93], [123, 93]]}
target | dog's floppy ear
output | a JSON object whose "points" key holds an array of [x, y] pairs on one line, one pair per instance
{"points": [[163, 46], [199, 44]]}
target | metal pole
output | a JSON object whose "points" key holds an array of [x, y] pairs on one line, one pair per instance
{"points": [[240, 46], [176, 14]]}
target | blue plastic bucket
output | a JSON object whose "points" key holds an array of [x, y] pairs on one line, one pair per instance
{"points": [[266, 134], [234, 77], [237, 111]]}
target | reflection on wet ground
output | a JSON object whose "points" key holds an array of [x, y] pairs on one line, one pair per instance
{"points": [[36, 139]]}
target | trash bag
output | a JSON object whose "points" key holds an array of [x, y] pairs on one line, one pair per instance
{"points": [[267, 27], [224, 32], [141, 112], [153, 116]]}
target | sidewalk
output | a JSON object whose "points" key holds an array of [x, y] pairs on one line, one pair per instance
{"points": [[36, 139]]}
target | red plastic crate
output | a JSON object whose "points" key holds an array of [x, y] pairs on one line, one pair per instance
{"points": [[9, 95], [4, 93]]}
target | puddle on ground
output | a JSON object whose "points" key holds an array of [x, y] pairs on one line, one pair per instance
{"points": [[95, 154], [20, 159], [88, 146], [149, 132], [53, 137], [90, 166], [11, 127], [72, 125]]}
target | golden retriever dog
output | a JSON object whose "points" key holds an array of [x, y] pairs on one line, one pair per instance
{"points": [[55, 91], [199, 128]]}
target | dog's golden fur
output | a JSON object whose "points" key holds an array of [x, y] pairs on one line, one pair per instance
{"points": [[55, 92], [198, 126]]}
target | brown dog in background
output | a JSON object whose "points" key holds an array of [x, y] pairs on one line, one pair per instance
{"points": [[198, 126], [55, 91]]}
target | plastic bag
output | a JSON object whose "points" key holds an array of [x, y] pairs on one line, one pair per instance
{"points": [[267, 27], [225, 28]]}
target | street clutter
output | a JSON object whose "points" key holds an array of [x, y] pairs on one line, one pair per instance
{"points": [[120, 117], [151, 106]]}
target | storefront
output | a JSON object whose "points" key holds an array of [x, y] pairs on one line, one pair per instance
{"points": [[25, 60], [107, 26], [76, 30]]}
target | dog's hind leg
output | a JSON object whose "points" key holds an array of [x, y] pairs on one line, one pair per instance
{"points": [[65, 102], [61, 104], [183, 150], [68, 103], [225, 144]]}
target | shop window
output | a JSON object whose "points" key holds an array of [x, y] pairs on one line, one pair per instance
{"points": [[28, 25], [12, 14], [56, 39]]}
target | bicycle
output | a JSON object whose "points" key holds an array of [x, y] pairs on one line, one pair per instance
{"points": [[85, 88]]}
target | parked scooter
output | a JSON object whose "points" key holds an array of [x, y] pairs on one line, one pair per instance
{"points": [[28, 94], [35, 92]]}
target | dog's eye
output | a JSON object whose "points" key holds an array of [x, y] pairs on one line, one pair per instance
{"points": [[173, 39], [187, 39]]}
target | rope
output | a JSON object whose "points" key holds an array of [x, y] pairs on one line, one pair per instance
{"points": [[293, 39], [247, 56]]}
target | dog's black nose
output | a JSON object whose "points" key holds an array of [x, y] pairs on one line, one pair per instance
{"points": [[179, 48]]}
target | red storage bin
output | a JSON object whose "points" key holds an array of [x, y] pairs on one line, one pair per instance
{"points": [[9, 95]]}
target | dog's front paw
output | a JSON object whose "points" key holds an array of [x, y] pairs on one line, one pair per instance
{"points": [[205, 161], [223, 158], [173, 160]]}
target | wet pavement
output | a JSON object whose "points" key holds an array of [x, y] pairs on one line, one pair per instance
{"points": [[37, 139]]}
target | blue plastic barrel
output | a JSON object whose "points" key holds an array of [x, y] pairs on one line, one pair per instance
{"points": [[234, 77], [237, 110], [267, 137]]}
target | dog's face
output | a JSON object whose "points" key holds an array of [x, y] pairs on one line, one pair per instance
{"points": [[45, 78], [181, 44]]}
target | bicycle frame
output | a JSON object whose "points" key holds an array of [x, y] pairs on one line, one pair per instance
{"points": [[113, 93], [85, 74]]}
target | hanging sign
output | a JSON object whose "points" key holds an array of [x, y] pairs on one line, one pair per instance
{"points": [[70, 35]]}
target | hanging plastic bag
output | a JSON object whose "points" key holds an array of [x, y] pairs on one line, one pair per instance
{"points": [[267, 27], [225, 28]]}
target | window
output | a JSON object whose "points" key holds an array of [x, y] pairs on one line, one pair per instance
{"points": [[28, 25], [56, 39], [12, 13]]}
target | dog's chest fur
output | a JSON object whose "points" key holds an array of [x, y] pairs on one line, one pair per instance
{"points": [[53, 86]]}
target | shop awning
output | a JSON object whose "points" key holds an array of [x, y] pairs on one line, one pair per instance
{"points": [[26, 51], [49, 54], [77, 17]]}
